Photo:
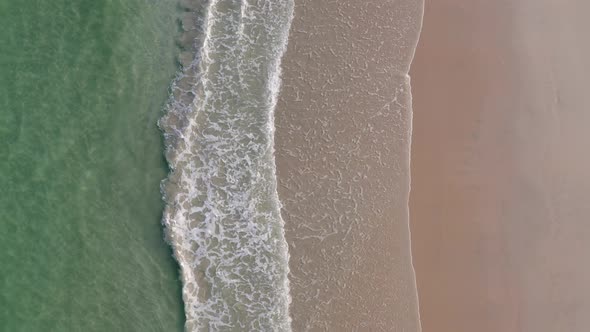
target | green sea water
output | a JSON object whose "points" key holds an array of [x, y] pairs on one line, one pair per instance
{"points": [[82, 85]]}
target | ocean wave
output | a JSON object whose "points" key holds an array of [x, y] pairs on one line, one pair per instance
{"points": [[222, 214]]}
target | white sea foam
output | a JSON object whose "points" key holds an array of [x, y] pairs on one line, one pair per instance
{"points": [[222, 216]]}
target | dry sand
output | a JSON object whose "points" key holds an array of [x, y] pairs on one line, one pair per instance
{"points": [[342, 147], [500, 187]]}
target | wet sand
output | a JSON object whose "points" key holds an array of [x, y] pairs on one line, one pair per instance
{"points": [[343, 126], [499, 201]]}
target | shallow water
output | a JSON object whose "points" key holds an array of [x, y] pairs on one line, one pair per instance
{"points": [[82, 84], [343, 139]]}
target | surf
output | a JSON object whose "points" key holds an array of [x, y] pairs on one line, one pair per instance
{"points": [[222, 215]]}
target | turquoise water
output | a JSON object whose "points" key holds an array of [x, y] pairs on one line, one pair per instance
{"points": [[82, 84]]}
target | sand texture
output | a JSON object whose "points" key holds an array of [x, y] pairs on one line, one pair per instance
{"points": [[499, 201], [343, 125]]}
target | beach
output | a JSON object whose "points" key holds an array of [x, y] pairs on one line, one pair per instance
{"points": [[295, 165], [499, 166], [343, 124]]}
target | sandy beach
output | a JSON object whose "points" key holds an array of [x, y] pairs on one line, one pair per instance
{"points": [[499, 212], [343, 125]]}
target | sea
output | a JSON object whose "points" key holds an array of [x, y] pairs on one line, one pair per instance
{"points": [[137, 176]]}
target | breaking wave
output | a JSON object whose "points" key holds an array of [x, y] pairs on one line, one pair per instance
{"points": [[222, 214]]}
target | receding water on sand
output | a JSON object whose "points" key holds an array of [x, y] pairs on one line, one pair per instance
{"points": [[343, 148]]}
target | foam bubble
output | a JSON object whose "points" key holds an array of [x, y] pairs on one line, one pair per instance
{"points": [[222, 215]]}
